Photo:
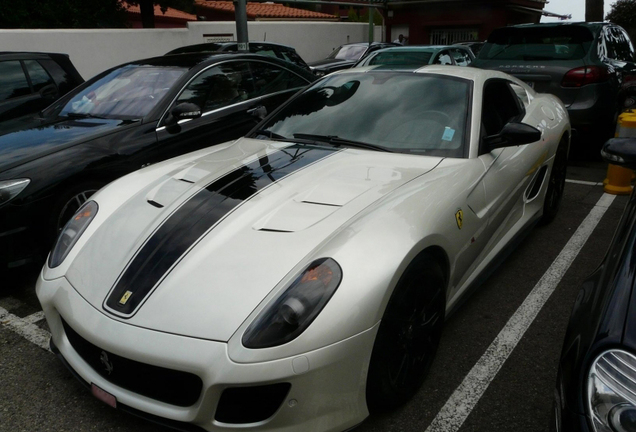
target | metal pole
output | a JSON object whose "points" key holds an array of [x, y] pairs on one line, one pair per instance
{"points": [[240, 15], [371, 10]]}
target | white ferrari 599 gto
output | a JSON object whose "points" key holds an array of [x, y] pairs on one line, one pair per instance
{"points": [[299, 277]]}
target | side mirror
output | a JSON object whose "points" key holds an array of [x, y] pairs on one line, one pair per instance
{"points": [[48, 92], [183, 111], [513, 134], [621, 152]]}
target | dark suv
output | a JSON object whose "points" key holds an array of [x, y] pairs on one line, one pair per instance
{"points": [[587, 65], [29, 82]]}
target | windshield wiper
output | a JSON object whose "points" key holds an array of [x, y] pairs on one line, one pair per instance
{"points": [[337, 141], [74, 115], [271, 135]]}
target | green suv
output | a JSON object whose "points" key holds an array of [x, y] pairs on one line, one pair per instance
{"points": [[589, 66]]}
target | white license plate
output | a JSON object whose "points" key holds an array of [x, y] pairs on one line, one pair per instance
{"points": [[104, 396]]}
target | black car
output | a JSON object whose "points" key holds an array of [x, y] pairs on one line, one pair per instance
{"points": [[596, 383], [29, 82], [271, 49], [585, 64], [345, 56], [124, 119]]}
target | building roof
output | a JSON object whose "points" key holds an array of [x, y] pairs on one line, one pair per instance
{"points": [[170, 12], [265, 10]]}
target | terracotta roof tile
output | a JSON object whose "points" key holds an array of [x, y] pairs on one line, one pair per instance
{"points": [[264, 10], [170, 12]]}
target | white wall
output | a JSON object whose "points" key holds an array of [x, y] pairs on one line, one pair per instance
{"points": [[93, 51]]}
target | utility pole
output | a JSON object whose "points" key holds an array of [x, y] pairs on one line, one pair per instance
{"points": [[240, 15], [594, 10], [371, 10]]}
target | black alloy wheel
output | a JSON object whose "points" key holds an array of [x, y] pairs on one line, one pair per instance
{"points": [[556, 185], [408, 336]]}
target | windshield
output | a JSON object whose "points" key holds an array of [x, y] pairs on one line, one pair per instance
{"points": [[348, 52], [538, 43], [401, 58], [129, 92], [401, 112]]}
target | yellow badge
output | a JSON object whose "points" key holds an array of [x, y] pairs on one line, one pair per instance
{"points": [[127, 295], [459, 217]]}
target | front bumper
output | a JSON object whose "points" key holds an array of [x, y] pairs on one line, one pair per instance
{"points": [[327, 385]]}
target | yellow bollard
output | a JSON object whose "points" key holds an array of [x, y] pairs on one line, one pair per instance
{"points": [[619, 179]]}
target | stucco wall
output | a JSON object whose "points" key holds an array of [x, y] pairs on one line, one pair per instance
{"points": [[93, 51]]}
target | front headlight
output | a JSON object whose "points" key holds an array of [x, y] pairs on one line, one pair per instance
{"points": [[9, 189], [72, 232], [289, 315], [612, 392]]}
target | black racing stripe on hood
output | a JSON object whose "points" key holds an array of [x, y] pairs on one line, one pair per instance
{"points": [[195, 217]]}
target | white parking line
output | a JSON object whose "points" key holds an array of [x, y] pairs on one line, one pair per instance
{"points": [[459, 406], [25, 327], [583, 182]]}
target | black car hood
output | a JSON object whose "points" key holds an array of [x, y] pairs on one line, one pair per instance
{"points": [[22, 146], [329, 62]]}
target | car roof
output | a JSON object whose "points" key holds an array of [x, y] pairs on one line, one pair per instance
{"points": [[218, 46], [25, 54], [469, 73], [592, 25], [192, 60], [420, 48]]}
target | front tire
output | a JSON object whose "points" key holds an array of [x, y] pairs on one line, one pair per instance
{"points": [[408, 336]]}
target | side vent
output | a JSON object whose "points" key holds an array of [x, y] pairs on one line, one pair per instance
{"points": [[535, 187], [155, 203]]}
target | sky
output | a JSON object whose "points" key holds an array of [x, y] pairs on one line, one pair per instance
{"points": [[574, 7]]}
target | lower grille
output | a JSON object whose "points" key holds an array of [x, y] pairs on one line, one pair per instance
{"points": [[165, 385]]}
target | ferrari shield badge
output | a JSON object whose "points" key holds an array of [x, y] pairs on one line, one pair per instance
{"points": [[459, 217], [127, 295]]}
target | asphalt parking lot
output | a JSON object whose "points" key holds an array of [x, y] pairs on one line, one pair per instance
{"points": [[39, 394]]}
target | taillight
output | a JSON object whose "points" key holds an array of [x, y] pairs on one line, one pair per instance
{"points": [[585, 75]]}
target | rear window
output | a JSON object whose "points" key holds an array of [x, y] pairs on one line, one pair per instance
{"points": [[538, 43], [401, 58]]}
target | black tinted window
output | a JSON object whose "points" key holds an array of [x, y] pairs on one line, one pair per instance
{"points": [[13, 82], [406, 58], [411, 113], [270, 78], [537, 43], [219, 86], [39, 77], [500, 106]]}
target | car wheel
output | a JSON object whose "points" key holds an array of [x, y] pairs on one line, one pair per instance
{"points": [[556, 184], [408, 336], [70, 201]]}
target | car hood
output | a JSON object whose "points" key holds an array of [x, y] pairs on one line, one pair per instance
{"points": [[213, 282], [21, 146], [329, 62]]}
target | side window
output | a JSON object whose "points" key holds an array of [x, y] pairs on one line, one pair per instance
{"points": [[624, 47], [462, 58], [270, 78], [39, 77], [500, 106], [443, 58], [292, 57], [13, 82], [219, 86]]}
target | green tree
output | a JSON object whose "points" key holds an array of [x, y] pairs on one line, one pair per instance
{"points": [[62, 14], [147, 8], [623, 13]]}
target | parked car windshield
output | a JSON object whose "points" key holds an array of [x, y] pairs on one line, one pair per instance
{"points": [[129, 92], [348, 52], [400, 112], [537, 43], [403, 58]]}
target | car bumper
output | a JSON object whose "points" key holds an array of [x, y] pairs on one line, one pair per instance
{"points": [[327, 390]]}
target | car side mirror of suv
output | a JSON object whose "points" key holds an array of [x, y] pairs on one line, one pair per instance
{"points": [[513, 134], [621, 152]]}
